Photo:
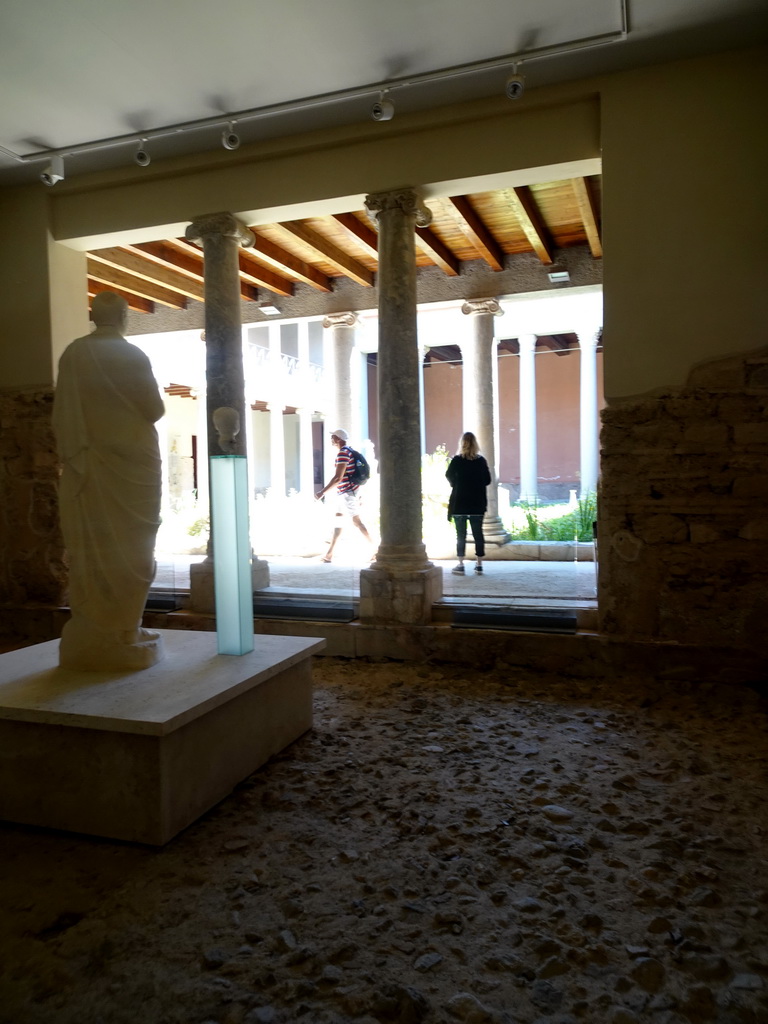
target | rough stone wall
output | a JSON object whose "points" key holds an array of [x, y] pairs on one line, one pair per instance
{"points": [[32, 568], [683, 511]]}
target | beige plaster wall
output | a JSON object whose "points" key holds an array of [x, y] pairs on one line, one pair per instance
{"points": [[685, 154]]}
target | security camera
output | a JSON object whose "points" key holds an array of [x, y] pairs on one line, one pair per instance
{"points": [[141, 156], [515, 86], [54, 172], [383, 109], [229, 138]]}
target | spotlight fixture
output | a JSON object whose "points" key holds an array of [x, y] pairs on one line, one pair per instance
{"points": [[141, 156], [54, 171], [384, 108], [229, 137], [515, 86]]}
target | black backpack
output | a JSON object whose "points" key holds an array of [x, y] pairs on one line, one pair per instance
{"points": [[361, 471]]}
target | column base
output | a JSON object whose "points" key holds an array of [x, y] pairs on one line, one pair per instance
{"points": [[494, 532], [201, 590], [399, 595]]}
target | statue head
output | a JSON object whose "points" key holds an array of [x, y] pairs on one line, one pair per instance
{"points": [[109, 310]]}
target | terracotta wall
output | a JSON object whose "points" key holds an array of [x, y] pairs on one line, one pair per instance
{"points": [[557, 400]]}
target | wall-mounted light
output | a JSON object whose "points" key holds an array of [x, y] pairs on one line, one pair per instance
{"points": [[229, 137], [141, 156], [559, 276], [383, 109], [269, 308], [54, 171]]}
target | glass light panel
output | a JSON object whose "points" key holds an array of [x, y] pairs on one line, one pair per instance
{"points": [[231, 554]]}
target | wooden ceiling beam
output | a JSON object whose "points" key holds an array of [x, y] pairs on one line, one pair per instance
{"points": [[284, 260], [135, 302], [149, 270], [252, 274], [527, 212], [585, 197], [112, 276], [437, 251], [344, 263], [166, 254], [477, 233], [365, 237]]}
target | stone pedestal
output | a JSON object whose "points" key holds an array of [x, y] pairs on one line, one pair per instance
{"points": [[399, 596], [140, 756], [201, 586]]}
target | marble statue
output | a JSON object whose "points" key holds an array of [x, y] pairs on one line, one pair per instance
{"points": [[106, 404]]}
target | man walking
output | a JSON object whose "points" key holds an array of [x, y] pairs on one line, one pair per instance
{"points": [[347, 501]]}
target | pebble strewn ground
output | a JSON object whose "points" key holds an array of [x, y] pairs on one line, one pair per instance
{"points": [[445, 846]]}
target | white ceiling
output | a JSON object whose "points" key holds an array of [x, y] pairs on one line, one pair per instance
{"points": [[83, 70]]}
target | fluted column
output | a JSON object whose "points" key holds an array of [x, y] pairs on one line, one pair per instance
{"points": [[479, 412], [402, 583], [342, 327], [529, 467], [221, 236], [588, 415]]}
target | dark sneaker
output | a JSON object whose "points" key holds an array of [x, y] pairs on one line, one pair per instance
{"points": [[479, 567], [458, 570]]}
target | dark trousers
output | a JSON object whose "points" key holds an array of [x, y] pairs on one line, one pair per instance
{"points": [[476, 522]]}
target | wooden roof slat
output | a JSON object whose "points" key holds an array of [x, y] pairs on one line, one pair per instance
{"points": [[285, 260], [477, 232], [524, 205], [362, 234], [437, 251], [585, 197], [251, 273], [344, 263], [106, 274], [158, 272], [135, 302]]}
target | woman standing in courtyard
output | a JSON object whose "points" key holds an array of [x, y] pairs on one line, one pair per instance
{"points": [[469, 476]]}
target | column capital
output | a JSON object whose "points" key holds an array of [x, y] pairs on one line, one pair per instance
{"points": [[491, 306], [527, 342], [341, 320], [588, 335], [223, 224], [408, 200]]}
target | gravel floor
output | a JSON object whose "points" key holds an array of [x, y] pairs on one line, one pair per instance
{"points": [[443, 846]]}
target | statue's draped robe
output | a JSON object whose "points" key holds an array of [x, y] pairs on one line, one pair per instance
{"points": [[106, 404]]}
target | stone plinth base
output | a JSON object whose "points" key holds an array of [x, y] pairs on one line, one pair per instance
{"points": [[139, 756], [202, 597], [402, 596]]}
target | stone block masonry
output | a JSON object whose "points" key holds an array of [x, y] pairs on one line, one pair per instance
{"points": [[32, 566], [683, 511]]}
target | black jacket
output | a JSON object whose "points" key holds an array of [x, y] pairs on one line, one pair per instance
{"points": [[469, 479]]}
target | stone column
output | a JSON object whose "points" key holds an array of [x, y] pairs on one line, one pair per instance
{"points": [[529, 471], [402, 583], [589, 425], [305, 410], [342, 327], [275, 407], [479, 414], [221, 235]]}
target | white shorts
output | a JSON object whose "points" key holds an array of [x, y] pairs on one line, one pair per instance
{"points": [[347, 504]]}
